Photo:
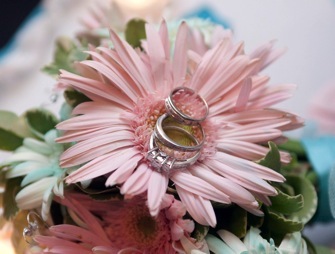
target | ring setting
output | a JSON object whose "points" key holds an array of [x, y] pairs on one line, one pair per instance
{"points": [[178, 135]]}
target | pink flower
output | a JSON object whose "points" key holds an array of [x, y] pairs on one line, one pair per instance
{"points": [[121, 227], [128, 87], [322, 109]]}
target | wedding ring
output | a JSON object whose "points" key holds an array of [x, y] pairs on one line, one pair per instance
{"points": [[161, 161], [160, 132], [186, 106]]}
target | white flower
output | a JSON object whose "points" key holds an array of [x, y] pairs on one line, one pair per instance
{"points": [[38, 162], [253, 243]]}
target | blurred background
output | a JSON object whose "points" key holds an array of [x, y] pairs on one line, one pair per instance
{"points": [[306, 28]]}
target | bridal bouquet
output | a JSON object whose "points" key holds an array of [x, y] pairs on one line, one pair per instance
{"points": [[167, 142]]}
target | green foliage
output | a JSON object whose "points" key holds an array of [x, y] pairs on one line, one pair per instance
{"points": [[66, 54], [233, 219], [294, 147], [304, 187], [287, 204], [13, 129], [74, 97], [272, 158], [11, 189], [40, 121], [276, 226], [9, 141], [135, 32], [296, 201]]}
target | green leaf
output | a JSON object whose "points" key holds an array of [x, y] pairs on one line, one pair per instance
{"points": [[272, 158], [237, 223], [233, 219], [286, 204], [294, 146], [135, 32], [276, 226], [66, 54], [40, 121], [11, 189], [305, 188], [74, 97], [286, 188], [9, 141], [279, 224], [10, 121]]}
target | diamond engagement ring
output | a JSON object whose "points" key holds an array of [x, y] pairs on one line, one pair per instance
{"points": [[161, 161], [186, 106]]}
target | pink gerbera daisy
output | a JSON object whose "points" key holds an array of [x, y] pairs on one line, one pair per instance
{"points": [[128, 87], [121, 226]]}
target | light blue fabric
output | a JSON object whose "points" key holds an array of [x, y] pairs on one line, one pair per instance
{"points": [[206, 12], [13, 41], [321, 154], [331, 184]]}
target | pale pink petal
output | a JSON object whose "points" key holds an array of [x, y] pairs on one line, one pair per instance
{"points": [[243, 97], [235, 192], [87, 121], [138, 181], [132, 62], [124, 171], [164, 34], [249, 150], [156, 52], [199, 187], [79, 135], [95, 142], [91, 222], [179, 63], [156, 189], [59, 246], [253, 208], [101, 165], [245, 179], [104, 250], [74, 233], [250, 166], [202, 213], [95, 88], [228, 78]]}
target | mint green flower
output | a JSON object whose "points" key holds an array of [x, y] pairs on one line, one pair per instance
{"points": [[253, 243], [38, 162]]}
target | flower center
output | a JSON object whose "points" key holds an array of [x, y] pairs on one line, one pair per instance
{"points": [[142, 227], [131, 225], [149, 109]]}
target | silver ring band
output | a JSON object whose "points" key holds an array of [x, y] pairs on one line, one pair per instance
{"points": [[178, 114], [163, 162], [167, 141]]}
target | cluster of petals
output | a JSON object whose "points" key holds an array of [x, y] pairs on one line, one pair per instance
{"points": [[38, 163], [102, 228], [253, 242], [127, 88]]}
